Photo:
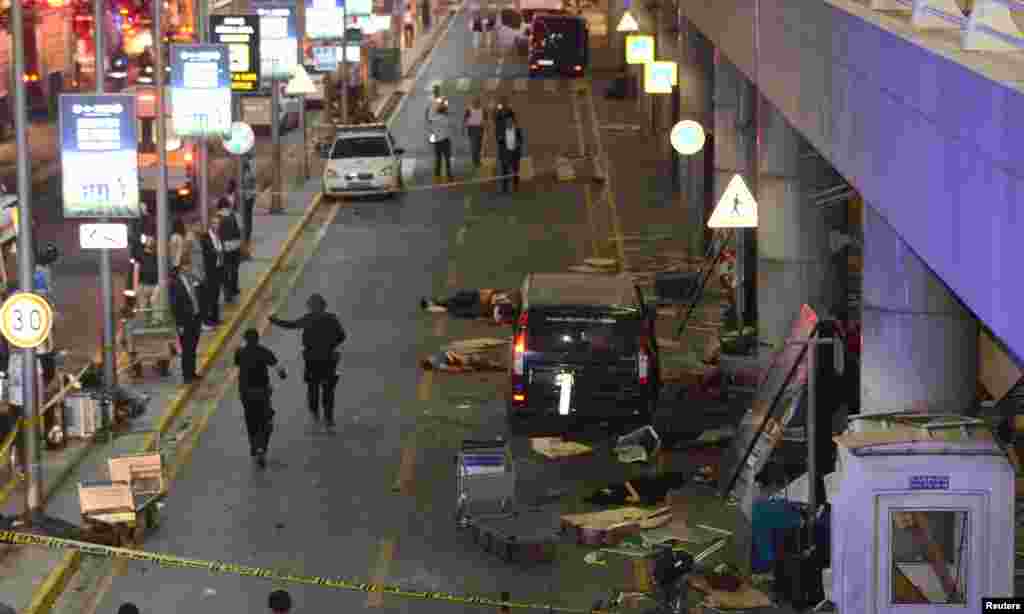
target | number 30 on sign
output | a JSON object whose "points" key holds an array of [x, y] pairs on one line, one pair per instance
{"points": [[26, 320]]}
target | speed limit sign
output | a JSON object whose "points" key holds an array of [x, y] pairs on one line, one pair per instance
{"points": [[26, 320]]}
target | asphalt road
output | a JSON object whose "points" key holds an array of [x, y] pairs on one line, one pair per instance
{"points": [[376, 500]]}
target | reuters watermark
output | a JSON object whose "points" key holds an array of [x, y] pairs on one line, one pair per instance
{"points": [[1002, 604]]}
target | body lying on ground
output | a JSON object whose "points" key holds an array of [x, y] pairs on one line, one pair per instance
{"points": [[498, 306]]}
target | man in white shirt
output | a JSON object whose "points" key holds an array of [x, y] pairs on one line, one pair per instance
{"points": [[440, 135]]}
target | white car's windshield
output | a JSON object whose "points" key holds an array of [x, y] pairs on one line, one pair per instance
{"points": [[360, 147]]}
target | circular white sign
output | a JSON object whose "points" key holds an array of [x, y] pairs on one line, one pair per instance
{"points": [[687, 137], [26, 320], [240, 139]]}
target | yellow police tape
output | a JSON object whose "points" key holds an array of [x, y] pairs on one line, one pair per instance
{"points": [[169, 560], [5, 447]]}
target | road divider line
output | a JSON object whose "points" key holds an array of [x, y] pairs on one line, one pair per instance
{"points": [[385, 555], [609, 190], [581, 150]]}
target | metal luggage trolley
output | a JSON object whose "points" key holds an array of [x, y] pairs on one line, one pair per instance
{"points": [[486, 479]]}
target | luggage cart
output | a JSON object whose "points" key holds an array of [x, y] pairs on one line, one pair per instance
{"points": [[485, 478]]}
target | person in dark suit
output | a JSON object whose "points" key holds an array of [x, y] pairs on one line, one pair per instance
{"points": [[510, 153], [502, 113], [213, 268], [322, 335], [185, 305], [254, 362]]}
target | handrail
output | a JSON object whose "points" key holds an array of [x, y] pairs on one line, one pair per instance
{"points": [[966, 24]]}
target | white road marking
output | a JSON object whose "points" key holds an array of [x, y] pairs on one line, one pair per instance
{"points": [[462, 84], [520, 84], [492, 84]]}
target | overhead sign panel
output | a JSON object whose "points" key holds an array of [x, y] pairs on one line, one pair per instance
{"points": [[660, 77], [98, 131], [200, 89], [324, 19], [639, 48], [737, 207], [241, 34], [279, 42]]}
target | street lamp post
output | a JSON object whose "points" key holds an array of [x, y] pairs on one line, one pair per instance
{"points": [[30, 450], [276, 205], [106, 275]]}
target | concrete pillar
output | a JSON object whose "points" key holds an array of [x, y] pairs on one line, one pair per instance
{"points": [[792, 238], [920, 345], [734, 131], [696, 64]]}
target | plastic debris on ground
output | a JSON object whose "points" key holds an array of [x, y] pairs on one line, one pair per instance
{"points": [[640, 445], [556, 447]]}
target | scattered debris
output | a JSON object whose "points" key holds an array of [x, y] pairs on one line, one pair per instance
{"points": [[640, 445], [556, 447], [595, 558], [744, 597], [611, 527], [643, 490], [208, 592], [718, 435]]}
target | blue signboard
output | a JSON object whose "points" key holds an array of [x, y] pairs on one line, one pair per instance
{"points": [[279, 41], [324, 19], [201, 89], [929, 482], [325, 59], [99, 163]]}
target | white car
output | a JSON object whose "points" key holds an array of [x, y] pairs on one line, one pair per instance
{"points": [[363, 160]]}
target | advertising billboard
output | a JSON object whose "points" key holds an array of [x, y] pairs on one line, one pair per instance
{"points": [[279, 42], [200, 89], [324, 19], [241, 34], [99, 163]]}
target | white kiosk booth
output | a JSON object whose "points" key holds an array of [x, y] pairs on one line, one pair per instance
{"points": [[923, 520]]}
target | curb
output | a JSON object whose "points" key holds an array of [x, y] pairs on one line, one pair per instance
{"points": [[56, 581]]}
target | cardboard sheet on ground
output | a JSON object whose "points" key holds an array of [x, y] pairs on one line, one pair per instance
{"points": [[555, 447], [746, 597], [606, 519], [479, 344]]}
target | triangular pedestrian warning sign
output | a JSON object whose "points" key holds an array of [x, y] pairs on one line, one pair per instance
{"points": [[737, 207], [627, 23]]}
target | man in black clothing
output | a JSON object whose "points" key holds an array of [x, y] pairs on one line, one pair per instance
{"points": [[322, 334], [213, 269], [184, 295], [230, 234], [254, 361], [501, 115]]}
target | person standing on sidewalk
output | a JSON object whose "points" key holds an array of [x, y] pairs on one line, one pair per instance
{"points": [[476, 26], [474, 121], [230, 234], [322, 335], [409, 27], [254, 362], [147, 282], [213, 270], [248, 194], [510, 153], [441, 136], [502, 112], [180, 244], [188, 319]]}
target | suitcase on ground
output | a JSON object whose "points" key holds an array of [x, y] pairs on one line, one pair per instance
{"points": [[485, 478], [522, 536]]}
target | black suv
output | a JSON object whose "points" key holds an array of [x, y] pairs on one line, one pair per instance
{"points": [[584, 347]]}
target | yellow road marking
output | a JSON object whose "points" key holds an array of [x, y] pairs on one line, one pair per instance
{"points": [[425, 387], [588, 195], [453, 275], [609, 192], [380, 571]]}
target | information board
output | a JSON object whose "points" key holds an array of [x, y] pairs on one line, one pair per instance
{"points": [[325, 59], [241, 34], [324, 19], [99, 160], [777, 380], [200, 90], [279, 43]]}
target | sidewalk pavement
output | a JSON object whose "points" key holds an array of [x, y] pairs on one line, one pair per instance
{"points": [[31, 579]]}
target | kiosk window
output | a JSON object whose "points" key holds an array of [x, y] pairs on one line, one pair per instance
{"points": [[929, 556]]}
